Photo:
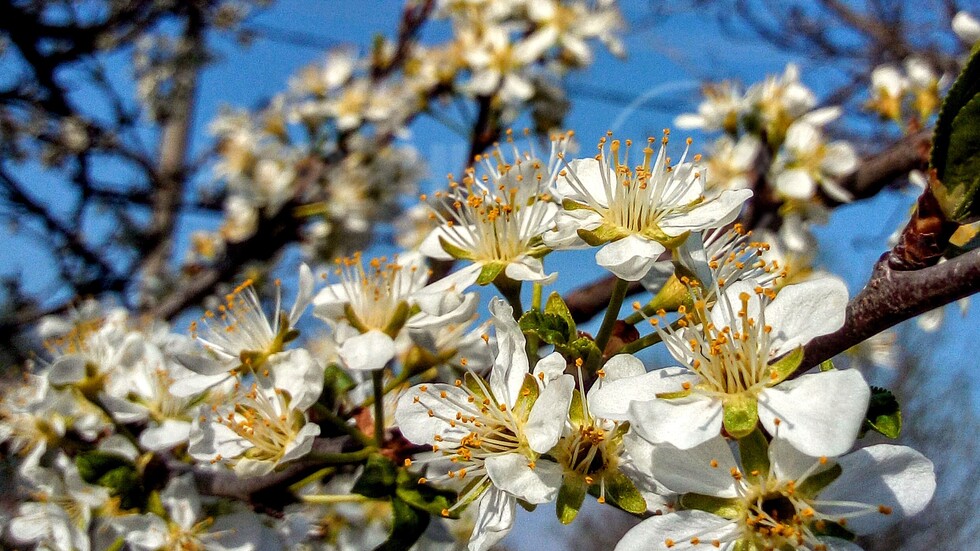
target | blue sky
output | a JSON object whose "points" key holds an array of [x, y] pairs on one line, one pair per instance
{"points": [[667, 59]]}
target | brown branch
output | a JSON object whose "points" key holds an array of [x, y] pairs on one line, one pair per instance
{"points": [[893, 296], [878, 171]]}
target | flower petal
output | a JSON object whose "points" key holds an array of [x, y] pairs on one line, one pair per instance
{"points": [[894, 476], [367, 351], [494, 519], [819, 413], [806, 310], [682, 422], [704, 469], [629, 258], [710, 214], [510, 365], [667, 532], [547, 418], [611, 399], [514, 474], [422, 415]]}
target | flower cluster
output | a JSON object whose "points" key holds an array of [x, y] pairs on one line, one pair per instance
{"points": [[396, 404]]}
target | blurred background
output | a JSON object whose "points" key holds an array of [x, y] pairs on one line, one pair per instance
{"points": [[155, 152]]}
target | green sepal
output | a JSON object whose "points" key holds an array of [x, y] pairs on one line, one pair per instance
{"points": [[571, 495], [884, 415], [674, 395], [489, 272], [556, 306], [477, 387], [725, 507], [290, 335], [785, 366], [576, 410], [741, 415], [154, 505], [454, 251], [529, 507], [815, 483], [602, 235], [754, 451], [746, 545], [336, 383], [378, 478], [832, 530], [398, 319], [956, 145], [117, 544], [355, 321], [407, 526], [827, 365], [670, 297], [622, 492], [654, 233], [423, 496], [527, 395], [569, 204], [549, 327], [252, 358]]}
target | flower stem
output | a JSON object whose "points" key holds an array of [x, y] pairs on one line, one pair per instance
{"points": [[343, 458], [339, 422], [377, 381], [297, 486], [325, 499], [512, 292], [533, 342], [641, 343], [612, 313]]}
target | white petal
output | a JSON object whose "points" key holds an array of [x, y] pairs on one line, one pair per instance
{"points": [[653, 533], [329, 303], [429, 297], [415, 422], [692, 470], [367, 351], [529, 269], [682, 422], [304, 294], [819, 413], [432, 246], [586, 175], [789, 463], [895, 476], [710, 214], [494, 519], [510, 365], [612, 398], [302, 443], [547, 417], [806, 310], [629, 258], [296, 372], [67, 369], [196, 384], [567, 224], [552, 366], [796, 183], [512, 473], [169, 434]]}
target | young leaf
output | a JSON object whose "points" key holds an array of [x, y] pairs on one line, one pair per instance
{"points": [[378, 478], [423, 496], [884, 414], [408, 525], [956, 145], [556, 306]]}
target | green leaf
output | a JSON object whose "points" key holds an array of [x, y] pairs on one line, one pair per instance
{"points": [[557, 307], [92, 465], [956, 145], [884, 414], [582, 347], [336, 383], [113, 472], [754, 451], [378, 478], [550, 328], [785, 366], [622, 492], [489, 272], [423, 496], [725, 507], [570, 498], [408, 525], [815, 483], [454, 251], [741, 415]]}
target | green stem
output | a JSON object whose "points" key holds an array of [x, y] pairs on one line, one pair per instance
{"points": [[297, 486], [612, 313], [326, 499], [512, 292], [377, 381], [339, 422], [641, 343], [533, 342], [343, 458]]}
